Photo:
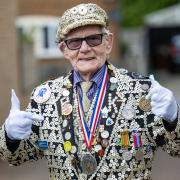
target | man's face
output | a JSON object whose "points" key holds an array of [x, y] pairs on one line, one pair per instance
{"points": [[87, 60]]}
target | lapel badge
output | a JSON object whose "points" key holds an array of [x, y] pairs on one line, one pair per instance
{"points": [[145, 87], [128, 112], [67, 146], [109, 121], [65, 92], [42, 144], [42, 94], [104, 112], [66, 109], [145, 104], [113, 80]]}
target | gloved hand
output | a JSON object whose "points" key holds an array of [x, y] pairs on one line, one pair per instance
{"points": [[18, 124], [163, 102]]}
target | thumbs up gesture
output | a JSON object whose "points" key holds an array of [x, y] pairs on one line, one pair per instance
{"points": [[18, 124], [163, 102]]}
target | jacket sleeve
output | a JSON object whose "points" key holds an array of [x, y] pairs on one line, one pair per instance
{"points": [[19, 152]]}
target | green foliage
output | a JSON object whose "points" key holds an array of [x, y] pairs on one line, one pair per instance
{"points": [[133, 11]]}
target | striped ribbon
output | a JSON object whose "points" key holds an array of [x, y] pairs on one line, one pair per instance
{"points": [[89, 132], [137, 139]]}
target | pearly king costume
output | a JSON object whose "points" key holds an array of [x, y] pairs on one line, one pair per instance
{"points": [[125, 141]]}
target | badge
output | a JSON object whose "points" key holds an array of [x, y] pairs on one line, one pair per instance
{"points": [[67, 135], [66, 109], [73, 150], [42, 144], [128, 112], [145, 87], [127, 155], [109, 122], [104, 143], [88, 164], [139, 155], [65, 92], [110, 66], [105, 134], [104, 112], [67, 146], [113, 80], [42, 94], [101, 152], [97, 147], [145, 104]]}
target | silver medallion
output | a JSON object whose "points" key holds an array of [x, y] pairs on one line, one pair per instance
{"points": [[145, 87], [127, 155], [128, 112], [105, 134], [88, 164]]}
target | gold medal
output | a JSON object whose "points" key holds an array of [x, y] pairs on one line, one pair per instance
{"points": [[67, 146], [66, 109], [145, 104]]}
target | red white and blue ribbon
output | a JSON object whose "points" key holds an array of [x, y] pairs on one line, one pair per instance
{"points": [[137, 139], [89, 132]]}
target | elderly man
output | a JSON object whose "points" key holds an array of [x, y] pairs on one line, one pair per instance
{"points": [[98, 122]]}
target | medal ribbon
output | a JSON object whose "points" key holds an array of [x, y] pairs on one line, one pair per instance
{"points": [[137, 139], [125, 142], [89, 132]]}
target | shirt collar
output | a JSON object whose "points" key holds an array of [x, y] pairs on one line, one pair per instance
{"points": [[97, 77]]}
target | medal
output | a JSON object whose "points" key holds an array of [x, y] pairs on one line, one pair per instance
{"points": [[127, 155], [66, 109], [145, 104], [67, 146], [42, 94], [88, 164], [139, 155], [128, 112]]}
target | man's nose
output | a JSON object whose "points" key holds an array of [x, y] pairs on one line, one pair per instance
{"points": [[84, 46]]}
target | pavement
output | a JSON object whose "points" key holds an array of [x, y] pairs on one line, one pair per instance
{"points": [[164, 167]]}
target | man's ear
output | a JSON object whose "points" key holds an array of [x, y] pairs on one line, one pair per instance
{"points": [[110, 39], [61, 46]]}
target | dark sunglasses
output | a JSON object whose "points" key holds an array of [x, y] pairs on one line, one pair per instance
{"points": [[92, 41]]}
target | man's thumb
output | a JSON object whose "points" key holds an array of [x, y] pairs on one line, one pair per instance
{"points": [[15, 104]]}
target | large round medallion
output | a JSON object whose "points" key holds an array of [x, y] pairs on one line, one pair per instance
{"points": [[88, 164]]}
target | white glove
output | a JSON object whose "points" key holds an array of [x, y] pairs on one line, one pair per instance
{"points": [[163, 102], [18, 124]]}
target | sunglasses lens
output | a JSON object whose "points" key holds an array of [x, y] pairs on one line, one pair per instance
{"points": [[74, 44], [94, 40]]}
